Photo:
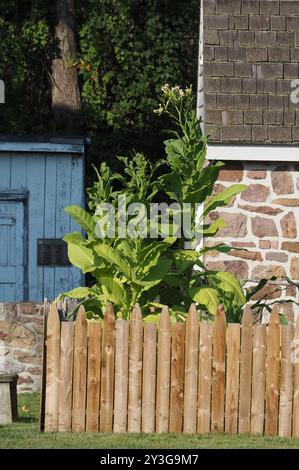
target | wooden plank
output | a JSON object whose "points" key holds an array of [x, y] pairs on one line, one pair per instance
{"points": [[258, 379], [205, 377], [272, 380], [232, 378], [43, 367], [49, 217], [80, 368], [93, 376], [107, 377], [218, 380], [149, 377], [295, 360], [286, 388], [245, 371], [5, 170], [121, 375], [52, 370], [163, 373], [191, 371], [177, 378], [135, 371], [66, 377]]}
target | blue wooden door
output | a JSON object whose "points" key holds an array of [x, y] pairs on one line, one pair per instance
{"points": [[11, 251]]}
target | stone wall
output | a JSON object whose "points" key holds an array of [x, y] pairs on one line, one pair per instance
{"points": [[264, 219], [21, 328]]}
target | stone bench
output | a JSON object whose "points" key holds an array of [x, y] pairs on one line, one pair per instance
{"points": [[8, 398]]}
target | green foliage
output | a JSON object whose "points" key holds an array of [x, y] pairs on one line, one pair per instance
{"points": [[157, 271]]}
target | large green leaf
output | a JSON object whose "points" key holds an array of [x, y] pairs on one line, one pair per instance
{"points": [[229, 284], [184, 259], [114, 256], [83, 218], [206, 296], [115, 290], [78, 293], [75, 238], [81, 257], [223, 197]]}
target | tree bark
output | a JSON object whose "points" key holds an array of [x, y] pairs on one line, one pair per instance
{"points": [[65, 87]]}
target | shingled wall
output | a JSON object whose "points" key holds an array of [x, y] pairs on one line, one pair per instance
{"points": [[251, 55]]}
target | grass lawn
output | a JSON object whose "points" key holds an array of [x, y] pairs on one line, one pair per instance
{"points": [[25, 435]]}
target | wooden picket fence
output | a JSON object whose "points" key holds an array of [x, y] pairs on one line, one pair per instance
{"points": [[192, 377]]}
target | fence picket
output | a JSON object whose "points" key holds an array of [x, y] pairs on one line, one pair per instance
{"points": [[43, 367], [258, 379], [149, 377], [205, 377], [163, 373], [121, 375], [245, 371], [177, 378], [52, 370], [66, 377], [272, 379], [93, 377], [80, 368], [107, 376], [135, 371], [286, 388], [218, 380], [295, 360], [191, 371], [232, 377]]}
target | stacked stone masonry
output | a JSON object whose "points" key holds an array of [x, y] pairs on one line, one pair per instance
{"points": [[264, 220], [21, 333], [251, 59]]}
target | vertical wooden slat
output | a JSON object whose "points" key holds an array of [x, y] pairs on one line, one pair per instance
{"points": [[245, 371], [205, 377], [52, 370], [191, 371], [66, 377], [177, 378], [121, 375], [135, 371], [232, 378], [218, 381], [286, 388], [43, 368], [107, 378], [149, 377], [258, 379], [295, 360], [163, 373], [79, 375], [93, 377], [272, 379]]}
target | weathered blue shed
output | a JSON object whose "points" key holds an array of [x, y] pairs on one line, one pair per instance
{"points": [[37, 180]]}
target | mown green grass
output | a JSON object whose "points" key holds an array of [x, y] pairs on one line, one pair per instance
{"points": [[25, 435]]}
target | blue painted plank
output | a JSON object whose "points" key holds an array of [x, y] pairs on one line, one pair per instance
{"points": [[36, 187], [50, 220], [5, 170], [63, 198], [9, 292], [18, 170], [77, 198], [19, 252], [7, 275]]}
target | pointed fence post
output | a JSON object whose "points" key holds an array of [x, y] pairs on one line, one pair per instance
{"points": [[218, 381], [295, 360], [52, 370], [272, 378], [66, 376], [149, 378], [163, 373], [93, 377], [121, 375], [135, 371], [107, 378], [191, 371], [205, 377], [80, 370], [177, 377], [245, 371]]}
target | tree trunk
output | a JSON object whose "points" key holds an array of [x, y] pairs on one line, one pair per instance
{"points": [[65, 88]]}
